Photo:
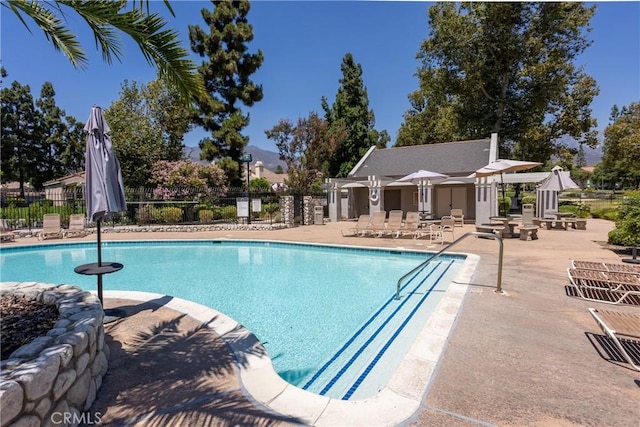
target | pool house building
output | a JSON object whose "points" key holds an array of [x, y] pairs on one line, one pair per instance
{"points": [[373, 184]]}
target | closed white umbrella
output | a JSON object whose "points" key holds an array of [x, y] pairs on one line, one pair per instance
{"points": [[558, 181], [104, 191]]}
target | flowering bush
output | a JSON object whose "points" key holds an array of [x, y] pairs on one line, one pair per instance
{"points": [[177, 179]]}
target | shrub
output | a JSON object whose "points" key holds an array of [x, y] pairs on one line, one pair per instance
{"points": [[170, 215], [146, 214], [627, 231], [225, 212], [609, 213], [205, 216], [504, 205]]}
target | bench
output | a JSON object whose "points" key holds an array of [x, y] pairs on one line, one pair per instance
{"points": [[529, 230], [580, 224], [490, 228], [549, 223]]}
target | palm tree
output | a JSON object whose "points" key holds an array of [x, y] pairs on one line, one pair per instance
{"points": [[158, 45]]}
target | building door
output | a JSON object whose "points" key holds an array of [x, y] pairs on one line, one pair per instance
{"points": [[450, 197], [392, 200]]}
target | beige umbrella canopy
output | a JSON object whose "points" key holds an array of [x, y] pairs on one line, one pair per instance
{"points": [[504, 165]]}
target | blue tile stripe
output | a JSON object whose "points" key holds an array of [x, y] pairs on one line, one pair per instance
{"points": [[357, 354], [395, 335], [136, 243], [359, 331]]}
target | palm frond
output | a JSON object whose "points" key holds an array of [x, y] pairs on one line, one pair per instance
{"points": [[162, 47], [97, 15], [53, 27]]}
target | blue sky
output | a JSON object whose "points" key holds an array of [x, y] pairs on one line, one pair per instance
{"points": [[303, 44]]}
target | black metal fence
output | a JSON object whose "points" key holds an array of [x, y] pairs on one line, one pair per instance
{"points": [[147, 206]]}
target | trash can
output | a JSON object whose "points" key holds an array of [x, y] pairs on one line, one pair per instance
{"points": [[318, 215]]}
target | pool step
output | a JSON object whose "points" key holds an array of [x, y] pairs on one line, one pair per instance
{"points": [[345, 375]]}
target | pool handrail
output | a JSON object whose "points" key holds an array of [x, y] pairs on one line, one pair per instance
{"points": [[437, 254]]}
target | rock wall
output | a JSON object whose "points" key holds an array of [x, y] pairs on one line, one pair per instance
{"points": [[54, 378], [288, 211]]}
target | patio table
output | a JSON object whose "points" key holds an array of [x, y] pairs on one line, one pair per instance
{"points": [[509, 226]]}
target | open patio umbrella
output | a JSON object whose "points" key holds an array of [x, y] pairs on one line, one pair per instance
{"points": [[104, 191], [504, 165], [420, 176]]}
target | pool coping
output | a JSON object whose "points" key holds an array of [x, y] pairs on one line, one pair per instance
{"points": [[398, 401]]}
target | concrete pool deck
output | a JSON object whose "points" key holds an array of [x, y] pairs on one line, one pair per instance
{"points": [[532, 356]]}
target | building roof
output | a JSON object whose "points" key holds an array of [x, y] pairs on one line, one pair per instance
{"points": [[459, 158], [74, 178]]}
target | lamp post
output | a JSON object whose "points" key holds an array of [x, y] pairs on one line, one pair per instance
{"points": [[246, 158]]}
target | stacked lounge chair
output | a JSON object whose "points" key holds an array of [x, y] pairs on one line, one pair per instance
{"points": [[624, 331], [605, 287]]}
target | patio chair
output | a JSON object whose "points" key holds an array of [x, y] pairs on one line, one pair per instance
{"points": [[76, 227], [51, 227], [595, 286], [448, 223], [458, 217], [435, 234], [621, 328], [359, 228], [6, 235]]}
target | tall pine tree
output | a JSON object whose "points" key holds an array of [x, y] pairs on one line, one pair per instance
{"points": [[226, 77], [351, 112], [19, 137]]}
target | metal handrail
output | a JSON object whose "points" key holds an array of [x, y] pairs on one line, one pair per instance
{"points": [[437, 254]]}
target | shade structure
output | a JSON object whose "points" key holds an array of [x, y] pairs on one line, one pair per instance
{"points": [[420, 176], [504, 165], [558, 181], [104, 191]]}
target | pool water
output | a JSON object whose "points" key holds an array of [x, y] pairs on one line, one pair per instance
{"points": [[326, 315]]}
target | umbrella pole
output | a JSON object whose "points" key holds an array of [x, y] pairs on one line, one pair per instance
{"points": [[99, 263], [502, 182]]}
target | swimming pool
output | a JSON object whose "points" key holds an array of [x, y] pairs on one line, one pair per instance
{"points": [[326, 315]]}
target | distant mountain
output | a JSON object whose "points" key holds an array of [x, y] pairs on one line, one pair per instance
{"points": [[591, 155], [270, 159]]}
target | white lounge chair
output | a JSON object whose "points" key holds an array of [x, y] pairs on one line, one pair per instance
{"points": [[359, 228], [6, 235], [621, 328], [596, 286], [76, 227], [394, 224], [377, 225], [51, 227]]}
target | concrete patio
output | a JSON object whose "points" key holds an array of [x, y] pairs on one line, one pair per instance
{"points": [[532, 356]]}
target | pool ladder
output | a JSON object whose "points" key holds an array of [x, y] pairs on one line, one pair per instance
{"points": [[437, 254]]}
